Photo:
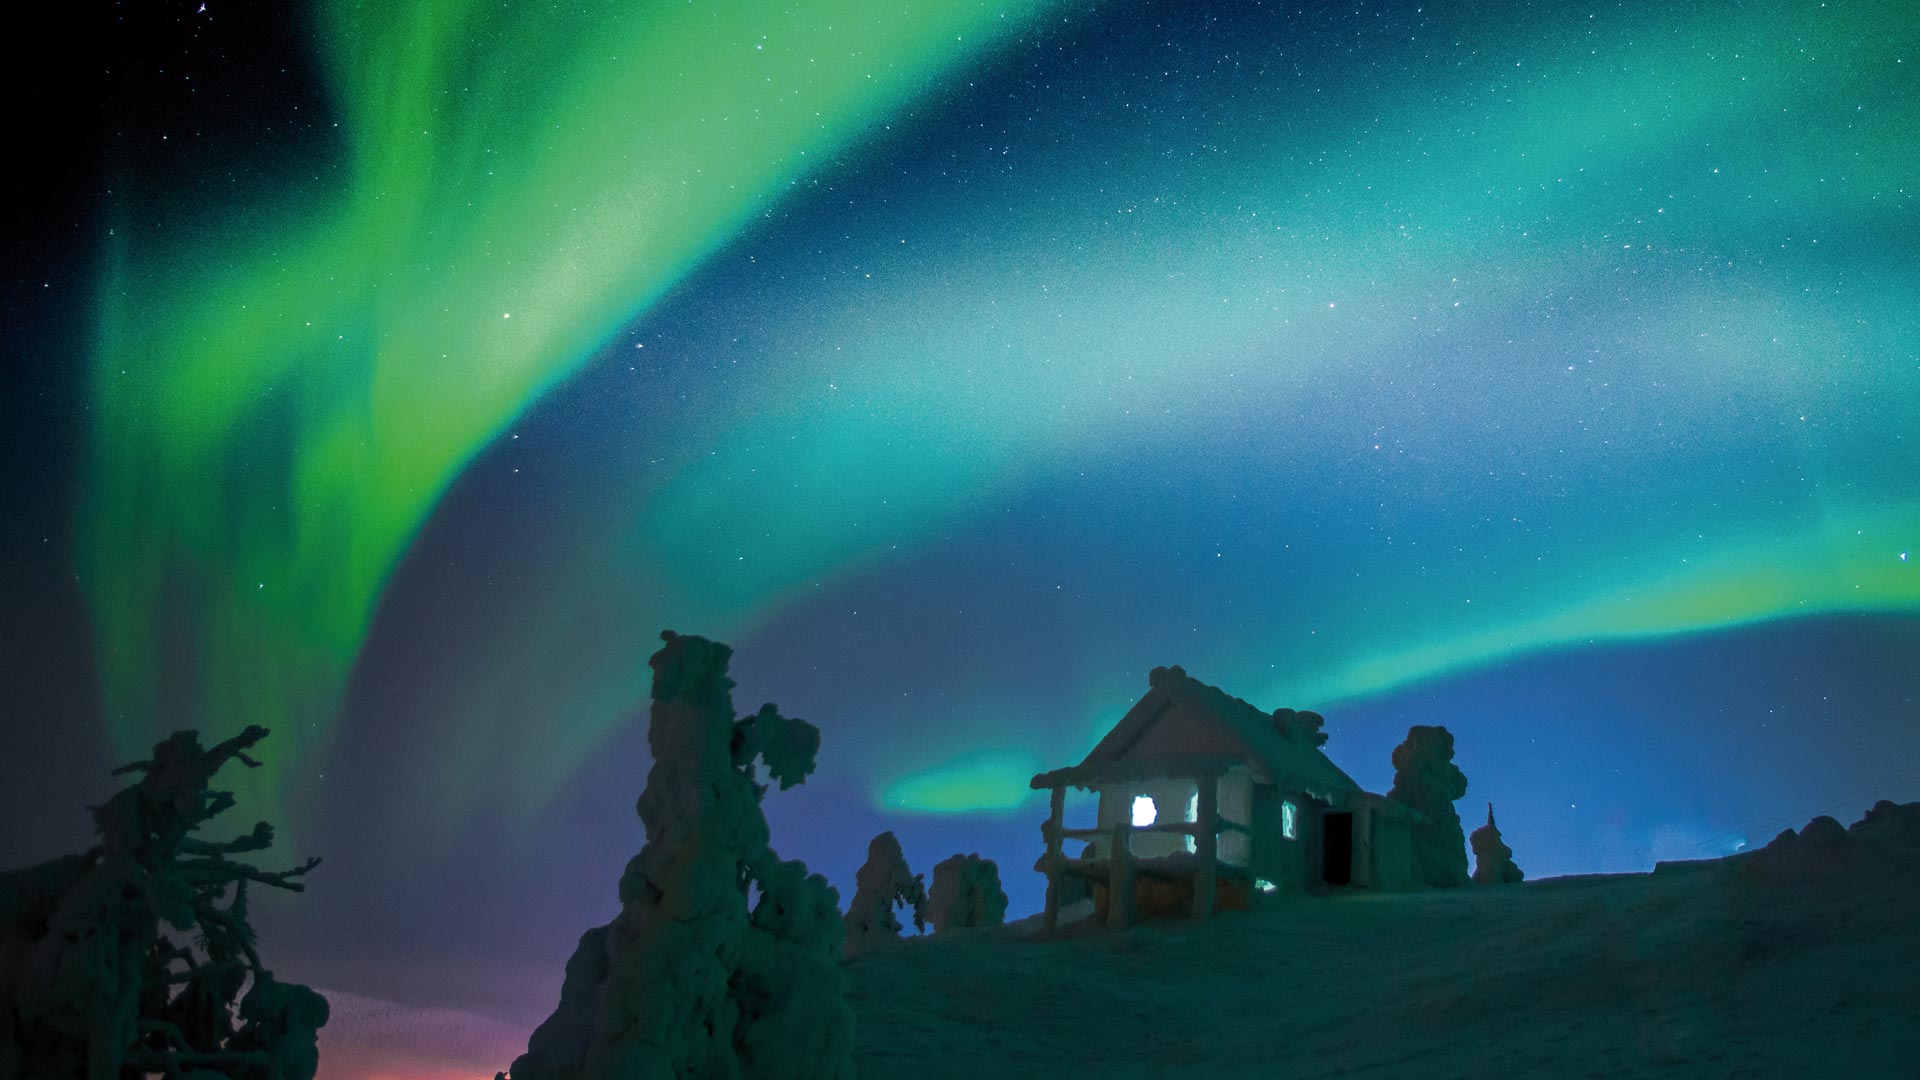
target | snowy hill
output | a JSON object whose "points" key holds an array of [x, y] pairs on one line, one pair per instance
{"points": [[1802, 960]]}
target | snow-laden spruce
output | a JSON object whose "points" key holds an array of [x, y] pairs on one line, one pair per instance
{"points": [[131, 959], [883, 883], [687, 981], [1426, 779], [966, 892], [1492, 858]]}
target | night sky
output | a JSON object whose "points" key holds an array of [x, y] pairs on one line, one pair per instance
{"points": [[391, 374]]}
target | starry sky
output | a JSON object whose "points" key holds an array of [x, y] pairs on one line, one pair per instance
{"points": [[391, 374]]}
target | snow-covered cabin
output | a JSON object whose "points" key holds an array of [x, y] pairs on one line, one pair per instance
{"points": [[1206, 799]]}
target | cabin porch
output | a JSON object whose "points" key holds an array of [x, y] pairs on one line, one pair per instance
{"points": [[1192, 879]]}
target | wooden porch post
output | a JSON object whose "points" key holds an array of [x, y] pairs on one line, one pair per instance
{"points": [[1206, 821], [1054, 869], [1120, 878]]}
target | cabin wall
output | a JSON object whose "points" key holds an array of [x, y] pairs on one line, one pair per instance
{"points": [[1382, 856], [1289, 863], [1170, 801], [1236, 805], [1310, 828], [1392, 853], [1172, 798], [1269, 852], [1363, 830]]}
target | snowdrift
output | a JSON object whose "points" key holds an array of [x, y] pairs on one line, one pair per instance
{"points": [[1797, 960]]}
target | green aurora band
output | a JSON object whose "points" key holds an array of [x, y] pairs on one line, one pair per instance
{"points": [[283, 393], [277, 415]]}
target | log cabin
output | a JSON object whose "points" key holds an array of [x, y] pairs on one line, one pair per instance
{"points": [[1204, 800]]}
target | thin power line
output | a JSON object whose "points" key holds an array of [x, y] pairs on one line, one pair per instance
{"points": [[1812, 811], [1805, 815]]}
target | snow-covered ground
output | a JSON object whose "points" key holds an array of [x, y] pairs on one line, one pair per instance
{"points": [[1697, 971], [1802, 961]]}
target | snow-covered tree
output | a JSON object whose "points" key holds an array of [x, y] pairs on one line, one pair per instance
{"points": [[1426, 779], [966, 892], [687, 981], [882, 884], [1492, 858], [129, 959]]}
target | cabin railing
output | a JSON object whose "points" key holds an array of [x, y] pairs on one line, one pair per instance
{"points": [[1184, 828], [1205, 829]]}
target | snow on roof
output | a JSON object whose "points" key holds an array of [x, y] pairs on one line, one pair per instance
{"points": [[1181, 719]]}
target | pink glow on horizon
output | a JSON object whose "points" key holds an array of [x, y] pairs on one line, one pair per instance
{"points": [[370, 1038]]}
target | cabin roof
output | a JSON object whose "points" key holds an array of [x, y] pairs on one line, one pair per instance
{"points": [[1182, 721]]}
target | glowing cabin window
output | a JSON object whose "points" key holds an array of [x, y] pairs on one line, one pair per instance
{"points": [[1193, 814], [1288, 812], [1143, 813]]}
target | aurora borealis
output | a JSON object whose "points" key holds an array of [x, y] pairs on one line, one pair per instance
{"points": [[283, 395], [1549, 370]]}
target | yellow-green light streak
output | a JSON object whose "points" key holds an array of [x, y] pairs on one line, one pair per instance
{"points": [[281, 397]]}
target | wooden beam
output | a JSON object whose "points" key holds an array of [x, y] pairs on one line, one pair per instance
{"points": [[1181, 828], [1206, 819], [1133, 770], [1050, 779], [1120, 879], [1051, 920]]}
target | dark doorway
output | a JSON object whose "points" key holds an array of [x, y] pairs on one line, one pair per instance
{"points": [[1337, 849]]}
